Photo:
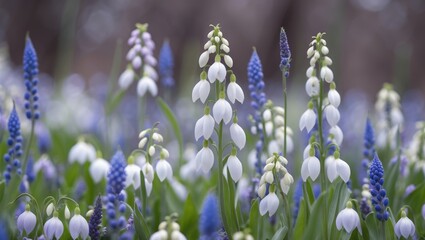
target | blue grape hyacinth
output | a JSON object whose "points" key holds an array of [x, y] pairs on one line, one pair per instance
{"points": [[96, 220], [285, 53], [369, 141], [379, 199], [30, 64], [166, 64], [209, 222], [14, 142]]}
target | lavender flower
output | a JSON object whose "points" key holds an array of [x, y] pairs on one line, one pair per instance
{"points": [[379, 199], [43, 138], [96, 220], [166, 64], [31, 80], [285, 53], [209, 222], [115, 199], [29, 172], [3, 230], [14, 143], [369, 141]]}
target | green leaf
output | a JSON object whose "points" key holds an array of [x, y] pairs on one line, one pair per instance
{"points": [[189, 219], [2, 187], [142, 229], [337, 199], [254, 217], [301, 220], [314, 228], [372, 226], [391, 179], [281, 233]]}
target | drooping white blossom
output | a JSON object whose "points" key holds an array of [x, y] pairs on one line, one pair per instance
{"points": [[78, 226], [310, 168], [26, 221], [82, 152], [53, 228], [99, 169], [204, 127], [238, 135], [222, 111], [235, 92], [146, 84], [201, 91], [308, 120], [133, 175], [269, 204], [336, 167], [205, 159], [348, 219]]}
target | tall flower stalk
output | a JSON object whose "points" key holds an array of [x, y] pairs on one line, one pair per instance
{"points": [[285, 60]]}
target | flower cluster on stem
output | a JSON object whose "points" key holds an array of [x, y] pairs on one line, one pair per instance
{"points": [[379, 199], [416, 148], [14, 142], [30, 64], [168, 229], [166, 64]]}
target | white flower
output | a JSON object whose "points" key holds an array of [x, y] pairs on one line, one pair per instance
{"points": [[148, 186], [201, 91], [349, 219], [269, 204], [325, 50], [332, 115], [204, 159], [204, 127], [151, 72], [50, 208], [267, 115], [82, 152], [146, 84], [327, 74], [67, 213], [235, 92], [133, 175], [26, 221], [151, 150], [53, 228], [147, 170], [143, 142], [334, 98], [308, 120], [404, 227], [99, 168], [285, 182], [238, 135], [78, 226], [212, 49], [164, 170], [136, 62], [312, 86], [217, 71], [228, 60], [396, 116], [222, 111], [337, 167], [160, 235], [126, 78], [203, 59], [235, 168], [337, 133], [309, 71], [310, 168], [176, 235]]}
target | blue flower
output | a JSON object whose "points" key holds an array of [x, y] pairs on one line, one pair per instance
{"points": [[43, 138], [285, 53], [166, 64], [30, 63], [379, 199], [209, 222], [369, 141], [298, 194], [96, 220], [3, 230], [30, 170], [14, 142]]}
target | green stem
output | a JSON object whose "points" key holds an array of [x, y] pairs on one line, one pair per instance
{"points": [[220, 177], [27, 150], [285, 118], [142, 110]]}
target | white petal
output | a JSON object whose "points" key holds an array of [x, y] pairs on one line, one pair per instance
{"points": [[310, 120], [273, 203], [314, 168], [207, 159], [326, 74], [99, 169], [331, 169], [343, 170], [332, 115], [228, 112], [213, 72], [203, 59], [269, 128], [235, 168], [151, 85], [338, 135], [142, 87], [264, 205], [221, 74], [231, 92], [238, 135], [239, 94], [302, 123], [148, 172], [148, 186], [133, 175], [204, 90], [208, 126], [196, 92], [339, 221], [219, 110], [126, 78], [312, 86], [348, 222], [304, 169], [228, 60], [199, 127], [334, 98], [163, 169], [397, 229]]}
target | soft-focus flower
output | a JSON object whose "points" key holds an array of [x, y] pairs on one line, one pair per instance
{"points": [[338, 136], [334, 98], [348, 219], [238, 135], [205, 158], [234, 166], [270, 203], [126, 78], [209, 221], [99, 169], [78, 226], [312, 86], [67, 213], [217, 71], [286, 182], [96, 220], [82, 152], [166, 64], [222, 111], [201, 91], [148, 171], [14, 142], [332, 115], [167, 227], [379, 199], [26, 221], [30, 65], [310, 168], [133, 176], [308, 120], [53, 227], [404, 227], [235, 92], [146, 84], [327, 74], [336, 167], [204, 127], [164, 170]]}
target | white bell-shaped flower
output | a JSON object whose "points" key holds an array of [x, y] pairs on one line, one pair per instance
{"points": [[160, 235], [334, 98], [222, 111], [203, 59], [285, 182], [270, 203], [126, 78], [396, 116], [228, 60], [82, 152], [66, 212], [146, 84], [404, 227], [310, 168], [204, 159], [338, 136], [332, 115], [78, 226], [201, 91], [148, 186], [238, 135], [148, 171], [136, 62], [235, 92], [164, 170], [308, 120], [217, 71], [99, 168], [348, 219], [312, 86], [234, 166], [204, 127], [53, 227], [268, 127], [336, 167], [327, 74], [26, 221], [133, 175]]}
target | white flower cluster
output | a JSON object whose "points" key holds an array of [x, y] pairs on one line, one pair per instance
{"points": [[141, 59], [243, 236], [274, 125], [389, 117], [416, 149], [168, 230], [275, 168], [222, 110]]}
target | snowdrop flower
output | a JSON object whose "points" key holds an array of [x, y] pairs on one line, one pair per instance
{"points": [[168, 229], [126, 78], [82, 152], [234, 91], [163, 169], [228, 60], [312, 86], [222, 111], [204, 158], [146, 84], [310, 167], [285, 182], [78, 226], [204, 127], [327, 74], [237, 134], [133, 174], [348, 219], [308, 119], [99, 169], [242, 236], [404, 227], [49, 209], [217, 71], [53, 227], [234, 166], [269, 204], [338, 136], [203, 59], [66, 212], [336, 167], [332, 115], [160, 235], [201, 90], [333, 96], [26, 221], [148, 171]]}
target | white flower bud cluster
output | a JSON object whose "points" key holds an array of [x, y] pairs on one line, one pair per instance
{"points": [[389, 116], [275, 167], [242, 236], [274, 124], [141, 58], [416, 149], [168, 230]]}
